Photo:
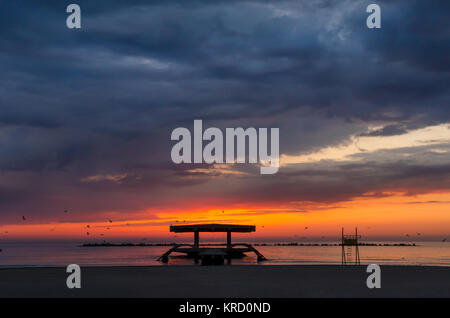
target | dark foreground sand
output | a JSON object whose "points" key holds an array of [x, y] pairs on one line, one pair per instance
{"points": [[227, 281]]}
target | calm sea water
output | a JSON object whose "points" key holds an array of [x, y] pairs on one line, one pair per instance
{"points": [[62, 254]]}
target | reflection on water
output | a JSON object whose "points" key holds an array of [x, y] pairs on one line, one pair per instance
{"points": [[62, 254]]}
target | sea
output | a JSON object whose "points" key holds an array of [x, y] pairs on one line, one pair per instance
{"points": [[62, 254]]}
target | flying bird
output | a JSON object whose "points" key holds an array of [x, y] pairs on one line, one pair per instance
{"points": [[65, 211], [23, 218], [110, 221], [88, 226], [87, 233]]}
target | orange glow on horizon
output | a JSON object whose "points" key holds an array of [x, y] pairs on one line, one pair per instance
{"points": [[392, 215]]}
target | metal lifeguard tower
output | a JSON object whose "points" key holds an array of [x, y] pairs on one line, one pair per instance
{"points": [[350, 250], [212, 255]]}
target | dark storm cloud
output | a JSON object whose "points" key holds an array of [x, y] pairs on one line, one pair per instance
{"points": [[344, 182], [389, 130], [104, 99]]}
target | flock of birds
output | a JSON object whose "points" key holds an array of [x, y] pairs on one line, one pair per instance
{"points": [[88, 226], [177, 221], [67, 211]]}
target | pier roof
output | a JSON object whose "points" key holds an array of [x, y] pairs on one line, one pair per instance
{"points": [[212, 228]]}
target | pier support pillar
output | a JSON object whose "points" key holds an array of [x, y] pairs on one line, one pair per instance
{"points": [[228, 239], [196, 238]]}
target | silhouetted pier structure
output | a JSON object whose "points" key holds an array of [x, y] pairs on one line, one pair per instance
{"points": [[212, 255]]}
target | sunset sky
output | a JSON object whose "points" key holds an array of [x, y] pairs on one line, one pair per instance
{"points": [[86, 117]]}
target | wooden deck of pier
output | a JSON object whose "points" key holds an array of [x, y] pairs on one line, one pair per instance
{"points": [[212, 255]]}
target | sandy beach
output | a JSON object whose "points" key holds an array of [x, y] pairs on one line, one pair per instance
{"points": [[227, 281]]}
